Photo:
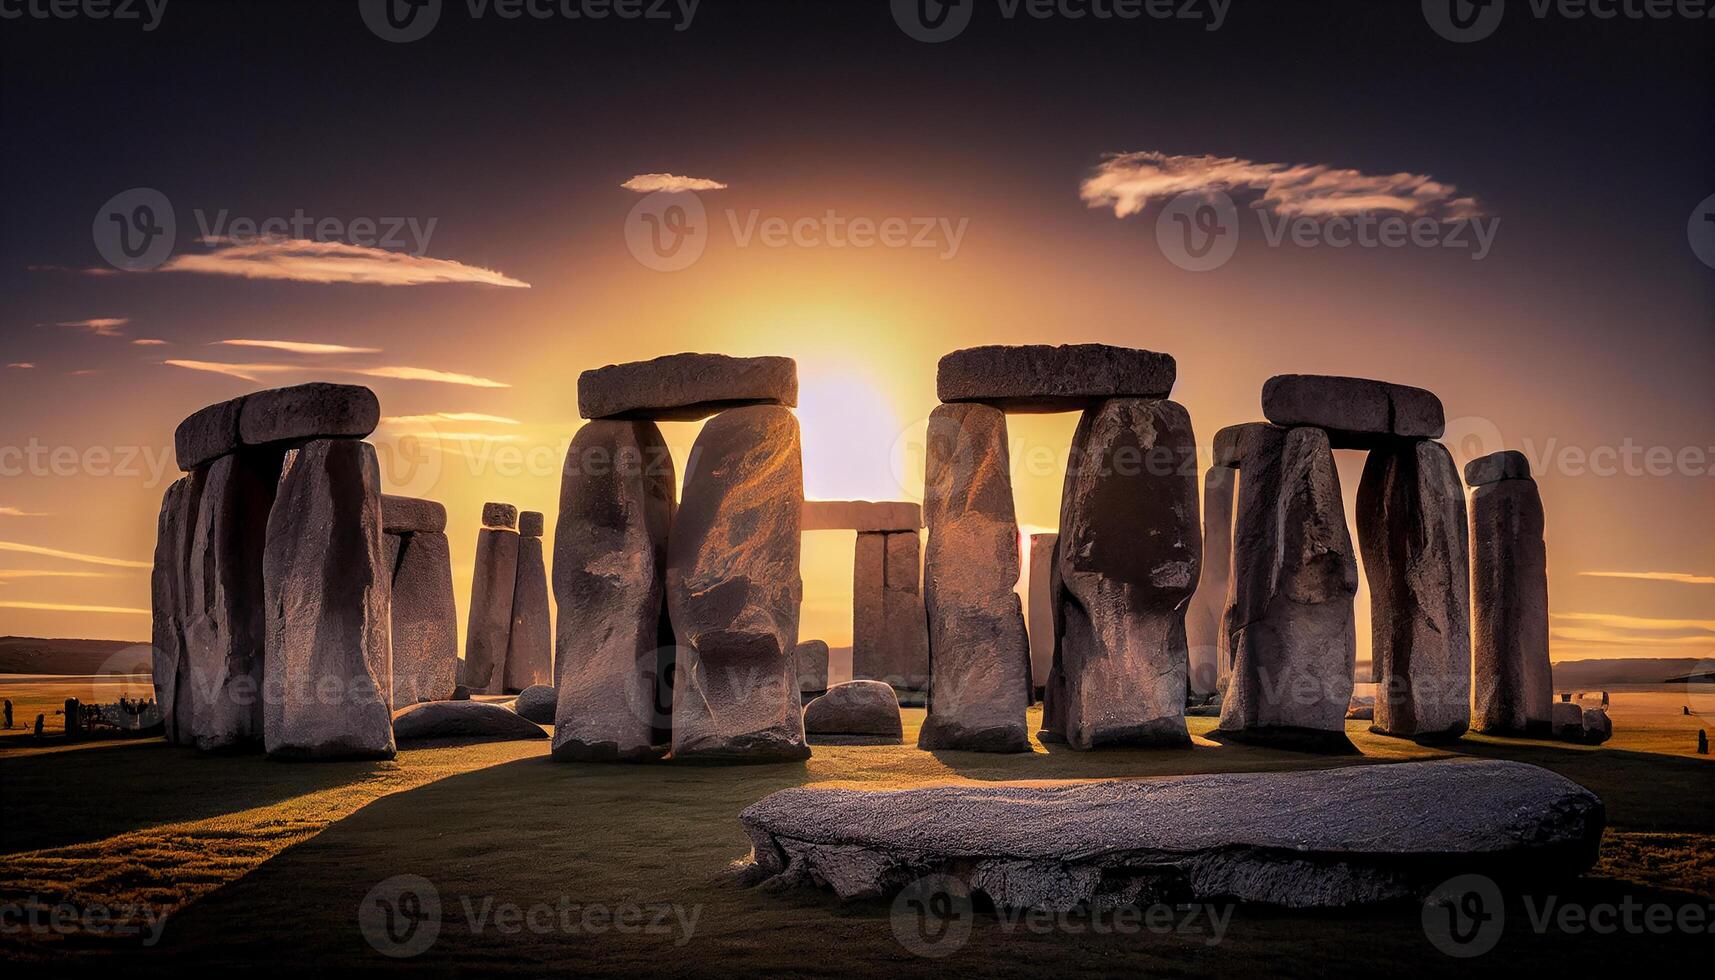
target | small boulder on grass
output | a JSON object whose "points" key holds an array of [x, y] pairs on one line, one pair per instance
{"points": [[537, 703], [462, 719], [855, 713]]}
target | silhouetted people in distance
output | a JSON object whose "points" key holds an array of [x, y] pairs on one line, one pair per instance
{"points": [[1604, 699], [1702, 742], [8, 714], [39, 720]]}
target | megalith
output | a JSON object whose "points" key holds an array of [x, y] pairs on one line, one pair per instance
{"points": [[1512, 682], [488, 631], [890, 640], [812, 659], [168, 599], [1209, 602], [734, 589], [686, 387], [1129, 550], [613, 644], [979, 656], [1040, 622], [530, 644], [424, 617]]}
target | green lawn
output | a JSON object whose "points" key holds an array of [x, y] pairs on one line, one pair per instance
{"points": [[264, 864]]}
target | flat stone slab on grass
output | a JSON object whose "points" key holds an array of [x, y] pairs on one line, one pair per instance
{"points": [[1046, 378], [1355, 411], [862, 515], [462, 719], [1316, 839], [686, 387]]}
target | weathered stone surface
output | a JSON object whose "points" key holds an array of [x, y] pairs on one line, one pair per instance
{"points": [[317, 410], [219, 690], [856, 709], [1327, 838], [979, 655], [500, 515], [1288, 630], [462, 719], [1045, 378], [686, 387], [1508, 464], [536, 704], [1512, 682], [531, 523], [1567, 721], [614, 646], [862, 515], [1040, 622], [1597, 728], [1209, 603], [329, 663], [425, 620], [1355, 411], [1129, 552], [812, 660], [1415, 540], [890, 639], [733, 591], [1235, 443], [530, 645], [168, 580], [488, 630], [408, 515], [207, 434]]}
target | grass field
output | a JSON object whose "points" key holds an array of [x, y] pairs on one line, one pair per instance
{"points": [[264, 865]]}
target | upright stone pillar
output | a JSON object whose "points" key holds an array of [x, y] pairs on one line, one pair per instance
{"points": [[979, 657], [890, 641], [1413, 532], [488, 632], [328, 590], [425, 636], [1289, 623], [1129, 552], [1040, 622], [733, 591], [167, 589], [1209, 672], [614, 645], [530, 645], [1512, 682]]}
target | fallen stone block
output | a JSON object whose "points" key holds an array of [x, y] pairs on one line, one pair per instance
{"points": [[462, 719], [862, 515], [1357, 412], [536, 704], [1328, 838], [1597, 727], [686, 387], [1567, 721], [855, 713]]}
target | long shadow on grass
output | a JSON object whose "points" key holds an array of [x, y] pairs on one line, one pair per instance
{"points": [[1643, 791], [60, 798]]}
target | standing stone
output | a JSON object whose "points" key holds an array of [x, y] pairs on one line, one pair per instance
{"points": [[1289, 622], [219, 691], [488, 632], [979, 656], [812, 659], [1129, 552], [733, 590], [614, 647], [890, 641], [530, 645], [1040, 622], [167, 589], [1415, 539], [425, 619], [1208, 604], [328, 588], [1512, 682]]}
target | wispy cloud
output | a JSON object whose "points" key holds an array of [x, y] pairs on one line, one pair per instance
{"points": [[1681, 577], [84, 373], [672, 183], [1128, 182], [14, 574], [1637, 622], [73, 607], [106, 326], [31, 549], [244, 372], [301, 260], [21, 365], [299, 346], [429, 374], [149, 342], [447, 417], [17, 512]]}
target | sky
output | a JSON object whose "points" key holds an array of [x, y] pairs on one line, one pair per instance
{"points": [[466, 220]]}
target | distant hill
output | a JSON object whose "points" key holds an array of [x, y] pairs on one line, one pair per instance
{"points": [[1641, 670], [34, 655]]}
